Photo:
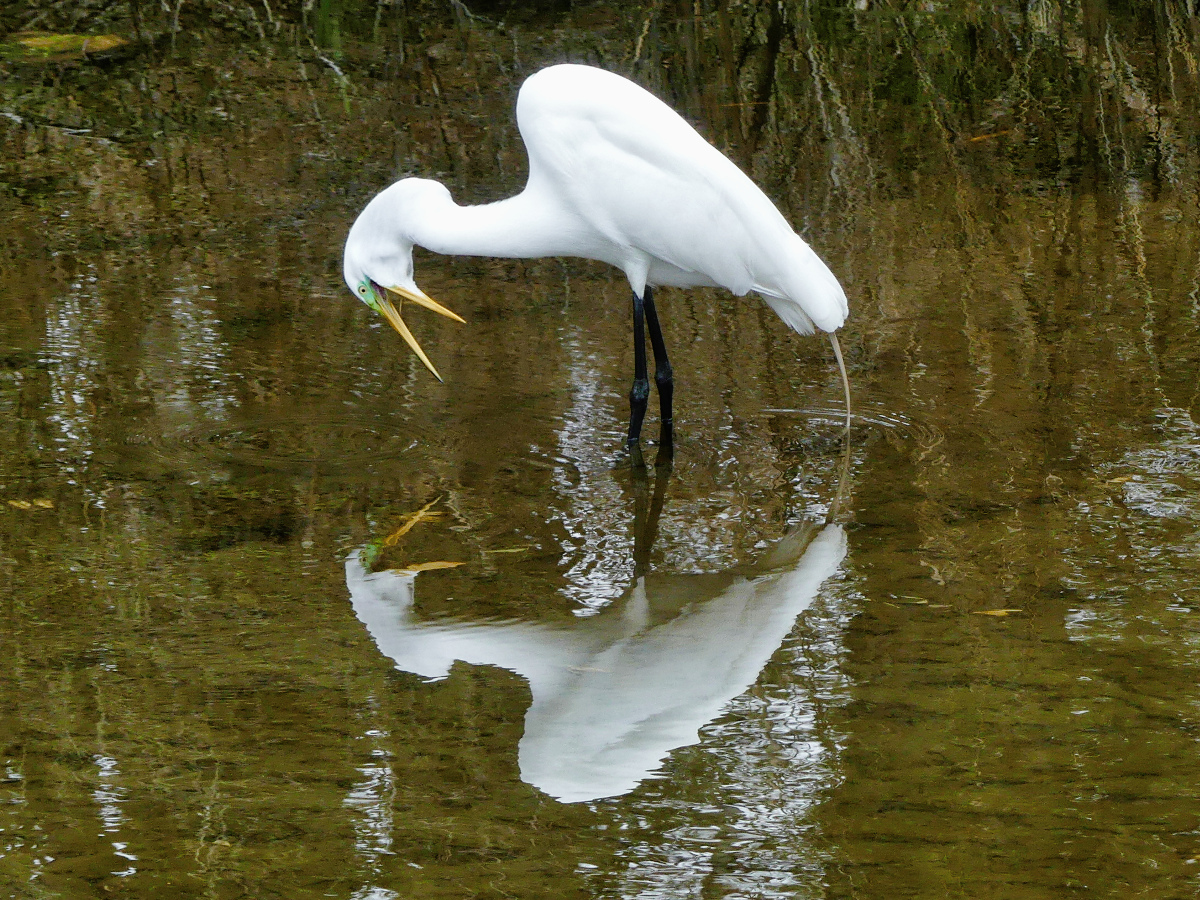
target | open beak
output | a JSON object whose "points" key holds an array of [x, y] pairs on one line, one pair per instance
{"points": [[392, 314]]}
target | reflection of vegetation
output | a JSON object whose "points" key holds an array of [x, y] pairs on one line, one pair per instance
{"points": [[327, 24], [250, 18], [841, 109], [1046, 89], [1009, 191]]}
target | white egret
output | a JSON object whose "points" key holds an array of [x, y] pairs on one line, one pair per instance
{"points": [[615, 175]]}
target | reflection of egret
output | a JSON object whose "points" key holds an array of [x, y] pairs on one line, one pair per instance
{"points": [[614, 175], [615, 692]]}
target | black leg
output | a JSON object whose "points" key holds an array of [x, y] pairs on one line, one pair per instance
{"points": [[640, 392], [662, 378]]}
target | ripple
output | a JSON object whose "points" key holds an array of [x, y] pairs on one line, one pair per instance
{"points": [[836, 415], [1164, 478], [293, 444]]}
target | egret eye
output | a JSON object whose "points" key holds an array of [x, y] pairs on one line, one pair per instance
{"points": [[362, 288]]}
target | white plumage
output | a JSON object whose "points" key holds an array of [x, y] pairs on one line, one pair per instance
{"points": [[614, 175], [613, 694]]}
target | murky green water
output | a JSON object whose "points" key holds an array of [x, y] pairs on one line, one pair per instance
{"points": [[990, 689]]}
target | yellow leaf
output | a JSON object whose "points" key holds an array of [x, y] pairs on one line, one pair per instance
{"points": [[44, 504], [996, 612], [33, 47], [67, 43], [987, 137], [20, 504], [509, 550], [421, 515], [428, 566]]}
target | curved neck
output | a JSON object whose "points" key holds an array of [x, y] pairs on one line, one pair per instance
{"points": [[528, 225]]}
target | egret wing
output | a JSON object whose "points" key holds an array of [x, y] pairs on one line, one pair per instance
{"points": [[641, 176]]}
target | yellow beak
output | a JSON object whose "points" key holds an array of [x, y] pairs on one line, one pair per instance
{"points": [[392, 314]]}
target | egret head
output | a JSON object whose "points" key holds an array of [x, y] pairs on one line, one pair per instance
{"points": [[377, 261]]}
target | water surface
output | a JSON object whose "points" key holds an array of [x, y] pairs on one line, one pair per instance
{"points": [[993, 694]]}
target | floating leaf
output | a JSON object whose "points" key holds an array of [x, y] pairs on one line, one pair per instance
{"points": [[996, 612], [984, 137], [41, 47], [411, 520], [428, 567], [509, 550], [40, 503]]}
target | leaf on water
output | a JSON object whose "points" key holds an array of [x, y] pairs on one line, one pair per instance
{"points": [[510, 550], [996, 612], [68, 43], [428, 566], [38, 503], [991, 134], [41, 47], [411, 520]]}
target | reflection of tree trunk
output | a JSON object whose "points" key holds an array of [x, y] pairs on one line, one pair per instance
{"points": [[730, 70], [764, 83], [135, 13]]}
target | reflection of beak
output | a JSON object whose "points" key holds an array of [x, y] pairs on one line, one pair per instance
{"points": [[392, 314]]}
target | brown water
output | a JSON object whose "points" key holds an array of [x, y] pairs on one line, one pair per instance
{"points": [[994, 695]]}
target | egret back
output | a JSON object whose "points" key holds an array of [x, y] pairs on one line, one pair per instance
{"points": [[661, 202]]}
